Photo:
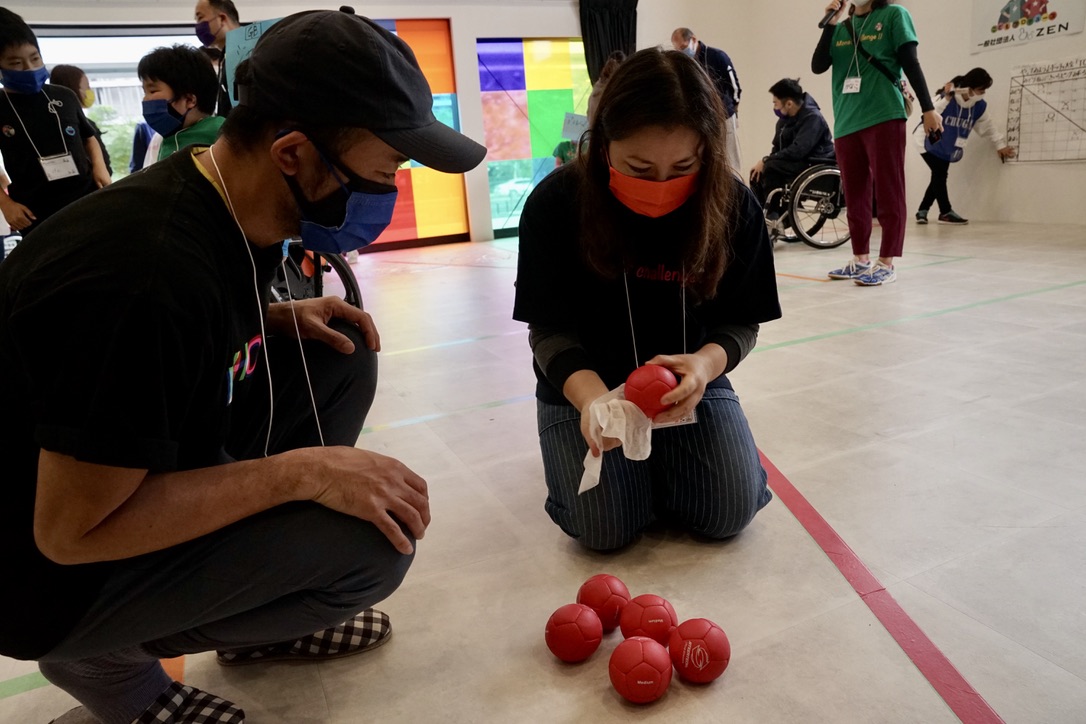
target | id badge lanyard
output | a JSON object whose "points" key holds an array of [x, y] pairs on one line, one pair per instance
{"points": [[692, 418], [61, 165], [852, 82]]}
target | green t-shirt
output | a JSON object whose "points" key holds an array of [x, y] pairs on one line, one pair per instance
{"points": [[204, 133], [881, 33]]}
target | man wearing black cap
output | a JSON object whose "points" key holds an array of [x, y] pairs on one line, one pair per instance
{"points": [[178, 478]]}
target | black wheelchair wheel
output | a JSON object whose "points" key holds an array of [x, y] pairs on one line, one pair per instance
{"points": [[330, 274], [818, 212]]}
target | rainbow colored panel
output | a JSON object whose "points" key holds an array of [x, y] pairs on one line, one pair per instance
{"points": [[430, 204], [528, 88]]}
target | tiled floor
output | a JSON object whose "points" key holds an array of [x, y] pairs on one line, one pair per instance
{"points": [[938, 424]]}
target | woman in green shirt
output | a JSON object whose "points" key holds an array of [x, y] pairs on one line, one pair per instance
{"points": [[867, 43], [179, 93]]}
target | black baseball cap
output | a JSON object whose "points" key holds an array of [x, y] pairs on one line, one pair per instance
{"points": [[323, 68]]}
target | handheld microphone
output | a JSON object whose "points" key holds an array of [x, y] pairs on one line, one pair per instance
{"points": [[826, 20]]}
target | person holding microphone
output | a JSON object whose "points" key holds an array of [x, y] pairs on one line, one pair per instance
{"points": [[866, 43]]}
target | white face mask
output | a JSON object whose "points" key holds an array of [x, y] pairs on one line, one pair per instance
{"points": [[967, 103], [861, 3]]}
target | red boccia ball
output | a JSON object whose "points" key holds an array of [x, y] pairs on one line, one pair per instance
{"points": [[648, 615], [700, 650], [640, 670], [574, 632], [646, 385], [607, 596]]}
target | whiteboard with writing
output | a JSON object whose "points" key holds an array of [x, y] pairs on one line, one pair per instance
{"points": [[1046, 116]]}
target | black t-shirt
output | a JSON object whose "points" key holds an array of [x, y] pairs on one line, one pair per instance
{"points": [[129, 326], [29, 185], [557, 290]]}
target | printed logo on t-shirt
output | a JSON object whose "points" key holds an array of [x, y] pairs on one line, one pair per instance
{"points": [[659, 273], [70, 131], [9, 131], [243, 366]]}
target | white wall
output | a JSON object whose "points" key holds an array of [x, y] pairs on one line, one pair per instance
{"points": [[771, 39]]}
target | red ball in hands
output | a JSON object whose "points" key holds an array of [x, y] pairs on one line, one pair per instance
{"points": [[650, 616], [646, 385], [700, 650], [640, 670], [574, 632], [607, 596]]}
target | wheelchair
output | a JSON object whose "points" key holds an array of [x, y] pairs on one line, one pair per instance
{"points": [[812, 208], [306, 275]]}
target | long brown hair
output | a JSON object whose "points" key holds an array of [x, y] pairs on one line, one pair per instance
{"points": [[654, 87]]}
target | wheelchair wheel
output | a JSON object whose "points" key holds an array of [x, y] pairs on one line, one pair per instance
{"points": [[305, 275], [818, 212]]}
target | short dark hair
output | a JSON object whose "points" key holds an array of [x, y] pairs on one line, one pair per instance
{"points": [[67, 76], [186, 70], [246, 128], [14, 31], [226, 6], [977, 78], [683, 97], [787, 89]]}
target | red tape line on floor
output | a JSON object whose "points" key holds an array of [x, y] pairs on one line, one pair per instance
{"points": [[963, 699]]}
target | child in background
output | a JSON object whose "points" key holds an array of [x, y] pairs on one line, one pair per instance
{"points": [[48, 146], [961, 105], [179, 91]]}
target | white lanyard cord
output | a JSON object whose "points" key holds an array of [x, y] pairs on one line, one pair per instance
{"points": [[629, 310], [857, 35], [52, 110]]}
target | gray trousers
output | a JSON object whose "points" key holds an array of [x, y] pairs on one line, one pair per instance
{"points": [[705, 478], [286, 573]]}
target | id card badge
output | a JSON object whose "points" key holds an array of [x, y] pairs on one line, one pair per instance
{"points": [[852, 85], [959, 142], [58, 167], [690, 419]]}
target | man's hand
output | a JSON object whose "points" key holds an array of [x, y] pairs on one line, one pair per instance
{"points": [[379, 489], [1007, 152], [18, 216], [756, 172], [314, 316]]}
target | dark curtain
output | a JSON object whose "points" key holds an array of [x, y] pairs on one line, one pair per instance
{"points": [[607, 26]]}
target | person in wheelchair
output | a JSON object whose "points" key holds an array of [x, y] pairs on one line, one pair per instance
{"points": [[802, 139]]}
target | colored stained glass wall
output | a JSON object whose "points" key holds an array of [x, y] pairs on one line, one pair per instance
{"points": [[528, 87], [430, 204]]}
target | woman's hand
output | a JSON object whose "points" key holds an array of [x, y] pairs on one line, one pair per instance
{"points": [[696, 371], [932, 122], [841, 6], [1007, 152], [609, 443], [314, 316]]}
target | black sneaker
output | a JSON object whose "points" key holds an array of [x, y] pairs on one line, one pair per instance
{"points": [[953, 219], [922, 216]]}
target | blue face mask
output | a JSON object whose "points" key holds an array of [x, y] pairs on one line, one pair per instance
{"points": [[691, 49], [161, 116], [24, 81], [349, 219]]}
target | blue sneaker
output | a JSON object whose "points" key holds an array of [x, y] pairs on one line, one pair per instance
{"points": [[851, 270], [878, 275]]}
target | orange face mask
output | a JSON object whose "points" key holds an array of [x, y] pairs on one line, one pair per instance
{"points": [[652, 198]]}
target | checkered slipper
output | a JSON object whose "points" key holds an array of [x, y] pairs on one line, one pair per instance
{"points": [[367, 631], [182, 704]]}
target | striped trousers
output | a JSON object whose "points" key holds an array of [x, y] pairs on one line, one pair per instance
{"points": [[704, 478]]}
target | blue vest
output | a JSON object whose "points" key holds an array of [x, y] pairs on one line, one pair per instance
{"points": [[958, 123]]}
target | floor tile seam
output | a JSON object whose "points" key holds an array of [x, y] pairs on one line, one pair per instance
{"points": [[431, 417], [989, 627], [452, 343]]}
